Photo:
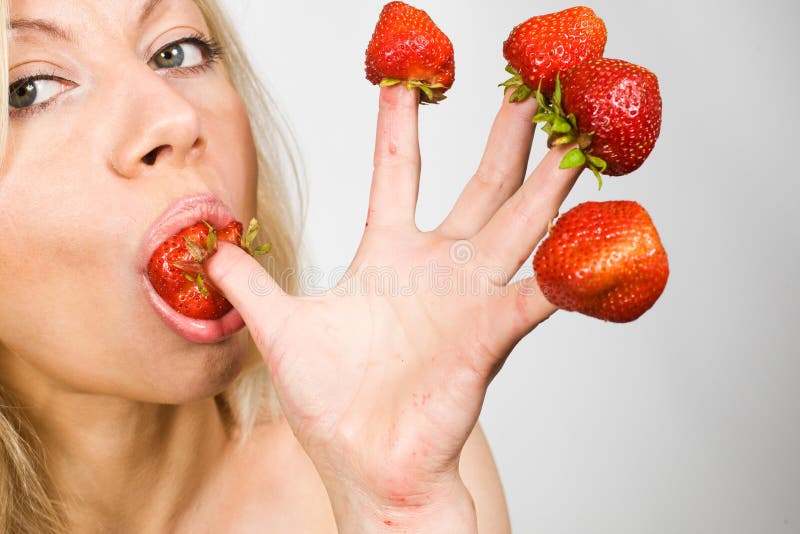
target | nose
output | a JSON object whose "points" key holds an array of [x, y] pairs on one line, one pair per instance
{"points": [[160, 127]]}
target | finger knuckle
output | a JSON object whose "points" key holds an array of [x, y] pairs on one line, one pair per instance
{"points": [[528, 307], [493, 179]]}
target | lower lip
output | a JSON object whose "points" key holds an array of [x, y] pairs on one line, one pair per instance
{"points": [[194, 330]]}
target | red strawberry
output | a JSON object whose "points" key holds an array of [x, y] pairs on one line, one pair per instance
{"points": [[547, 45], [612, 108], [603, 259], [176, 267], [408, 47]]}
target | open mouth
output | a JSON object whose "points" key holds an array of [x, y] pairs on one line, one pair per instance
{"points": [[195, 330], [187, 305]]}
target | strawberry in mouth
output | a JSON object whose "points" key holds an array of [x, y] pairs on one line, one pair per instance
{"points": [[176, 269]]}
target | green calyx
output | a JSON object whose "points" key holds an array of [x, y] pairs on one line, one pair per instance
{"points": [[249, 236], [432, 93], [192, 269], [562, 129], [195, 251], [522, 91], [211, 239], [197, 279], [201, 286]]}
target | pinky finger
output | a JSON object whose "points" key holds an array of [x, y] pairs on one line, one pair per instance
{"points": [[521, 308]]}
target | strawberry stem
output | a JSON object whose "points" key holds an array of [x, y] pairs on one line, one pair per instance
{"points": [[573, 158], [263, 249], [195, 250], [249, 236], [432, 93], [521, 91], [211, 239], [200, 285], [562, 129], [192, 269]]}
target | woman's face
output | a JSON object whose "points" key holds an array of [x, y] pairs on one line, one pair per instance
{"points": [[95, 156]]}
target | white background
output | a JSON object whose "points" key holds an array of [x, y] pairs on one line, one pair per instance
{"points": [[687, 420]]}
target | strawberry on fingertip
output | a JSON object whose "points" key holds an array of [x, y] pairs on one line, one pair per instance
{"points": [[545, 46], [604, 260], [407, 47], [612, 109]]}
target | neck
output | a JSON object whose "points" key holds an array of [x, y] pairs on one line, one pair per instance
{"points": [[117, 462]]}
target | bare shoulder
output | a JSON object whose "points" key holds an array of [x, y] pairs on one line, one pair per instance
{"points": [[271, 483], [479, 473]]}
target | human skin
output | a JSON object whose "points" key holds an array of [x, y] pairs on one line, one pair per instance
{"points": [[116, 396], [384, 410], [77, 198], [110, 390]]}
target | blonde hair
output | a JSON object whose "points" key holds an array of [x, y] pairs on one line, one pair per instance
{"points": [[26, 505]]}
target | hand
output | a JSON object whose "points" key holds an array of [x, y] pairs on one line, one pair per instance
{"points": [[382, 386]]}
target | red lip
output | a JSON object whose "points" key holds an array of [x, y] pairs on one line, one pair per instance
{"points": [[186, 212]]}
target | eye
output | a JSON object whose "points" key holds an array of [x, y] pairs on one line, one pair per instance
{"points": [[34, 90], [179, 54]]}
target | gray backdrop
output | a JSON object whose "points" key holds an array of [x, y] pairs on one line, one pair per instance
{"points": [[687, 419]]}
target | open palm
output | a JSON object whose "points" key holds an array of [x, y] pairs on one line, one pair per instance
{"points": [[382, 377]]}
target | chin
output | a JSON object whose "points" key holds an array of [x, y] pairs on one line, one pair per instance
{"points": [[203, 371]]}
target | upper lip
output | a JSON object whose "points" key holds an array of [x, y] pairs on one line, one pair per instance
{"points": [[185, 212]]}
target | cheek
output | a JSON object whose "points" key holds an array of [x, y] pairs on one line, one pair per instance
{"points": [[232, 150], [57, 272], [70, 295]]}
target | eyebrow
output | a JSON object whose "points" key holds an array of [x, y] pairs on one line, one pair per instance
{"points": [[43, 26], [57, 32]]}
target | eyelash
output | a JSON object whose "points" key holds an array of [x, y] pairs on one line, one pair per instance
{"points": [[212, 50]]}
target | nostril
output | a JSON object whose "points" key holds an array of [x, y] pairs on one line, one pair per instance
{"points": [[150, 157]]}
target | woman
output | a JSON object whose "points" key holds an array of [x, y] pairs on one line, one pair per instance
{"points": [[116, 418]]}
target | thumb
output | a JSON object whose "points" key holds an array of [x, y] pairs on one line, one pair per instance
{"points": [[247, 286]]}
